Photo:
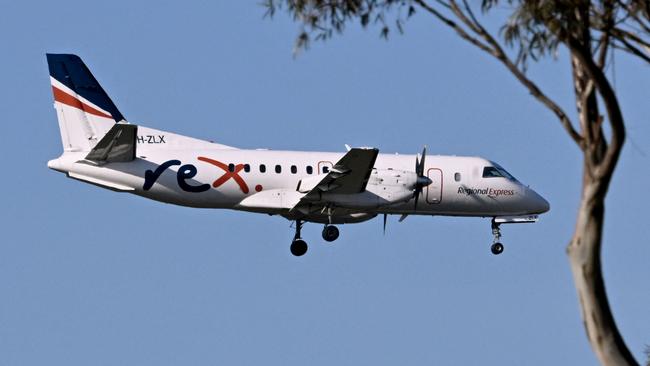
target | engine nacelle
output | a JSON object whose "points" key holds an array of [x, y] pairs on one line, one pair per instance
{"points": [[392, 186], [385, 187]]}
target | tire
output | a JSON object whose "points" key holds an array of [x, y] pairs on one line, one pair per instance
{"points": [[330, 233], [496, 248], [298, 247]]}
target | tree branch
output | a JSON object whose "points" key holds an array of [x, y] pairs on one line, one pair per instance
{"points": [[603, 47], [496, 50], [630, 12], [622, 33], [630, 48], [606, 167], [608, 24], [450, 23]]}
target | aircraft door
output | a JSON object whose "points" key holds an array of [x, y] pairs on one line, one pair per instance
{"points": [[324, 167], [434, 190]]}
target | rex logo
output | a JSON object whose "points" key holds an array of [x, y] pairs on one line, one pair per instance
{"points": [[189, 171]]}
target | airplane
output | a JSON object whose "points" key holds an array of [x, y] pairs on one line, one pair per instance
{"points": [[102, 148]]}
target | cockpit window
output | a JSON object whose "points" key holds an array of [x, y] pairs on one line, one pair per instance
{"points": [[495, 172]]}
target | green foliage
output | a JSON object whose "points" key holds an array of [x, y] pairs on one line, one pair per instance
{"points": [[534, 29], [321, 19]]}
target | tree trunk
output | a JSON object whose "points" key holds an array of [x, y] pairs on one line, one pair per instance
{"points": [[584, 256]]}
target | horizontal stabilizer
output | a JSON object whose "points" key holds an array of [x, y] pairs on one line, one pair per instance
{"points": [[118, 145], [101, 182]]}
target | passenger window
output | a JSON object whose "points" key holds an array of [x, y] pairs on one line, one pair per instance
{"points": [[262, 168], [278, 169], [310, 170], [326, 169], [247, 168], [294, 169], [457, 177], [231, 167]]}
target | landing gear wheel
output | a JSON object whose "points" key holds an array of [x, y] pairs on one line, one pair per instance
{"points": [[496, 248], [298, 247], [330, 233]]}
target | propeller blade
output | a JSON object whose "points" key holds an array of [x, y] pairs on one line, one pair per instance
{"points": [[424, 155], [417, 196], [419, 171], [385, 218], [401, 218]]}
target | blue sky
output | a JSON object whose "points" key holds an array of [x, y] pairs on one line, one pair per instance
{"points": [[89, 276]]}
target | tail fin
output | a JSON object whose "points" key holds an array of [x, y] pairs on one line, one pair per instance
{"points": [[84, 110]]}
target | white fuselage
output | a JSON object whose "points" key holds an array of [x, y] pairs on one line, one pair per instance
{"points": [[102, 148], [189, 172]]}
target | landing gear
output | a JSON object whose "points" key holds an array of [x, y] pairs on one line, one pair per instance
{"points": [[330, 233], [497, 247], [298, 246]]}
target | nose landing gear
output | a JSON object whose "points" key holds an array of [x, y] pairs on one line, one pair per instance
{"points": [[497, 247]]}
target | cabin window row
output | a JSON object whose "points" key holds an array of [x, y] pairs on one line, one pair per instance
{"points": [[278, 168]]}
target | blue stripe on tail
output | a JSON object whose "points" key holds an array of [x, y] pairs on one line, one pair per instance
{"points": [[71, 71]]}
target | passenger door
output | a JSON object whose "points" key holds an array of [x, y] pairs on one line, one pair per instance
{"points": [[434, 190], [322, 164]]}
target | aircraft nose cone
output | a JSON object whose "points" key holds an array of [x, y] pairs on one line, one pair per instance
{"points": [[537, 203]]}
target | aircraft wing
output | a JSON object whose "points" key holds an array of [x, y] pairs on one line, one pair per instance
{"points": [[349, 175]]}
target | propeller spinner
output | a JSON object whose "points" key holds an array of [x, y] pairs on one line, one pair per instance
{"points": [[422, 180]]}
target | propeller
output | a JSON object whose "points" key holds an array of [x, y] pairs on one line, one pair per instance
{"points": [[422, 180], [401, 218]]}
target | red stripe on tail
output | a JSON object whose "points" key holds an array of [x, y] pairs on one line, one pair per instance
{"points": [[65, 98]]}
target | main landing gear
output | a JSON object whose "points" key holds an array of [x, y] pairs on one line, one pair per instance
{"points": [[299, 247], [497, 247], [330, 233]]}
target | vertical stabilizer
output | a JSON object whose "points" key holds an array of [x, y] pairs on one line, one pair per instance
{"points": [[84, 110]]}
